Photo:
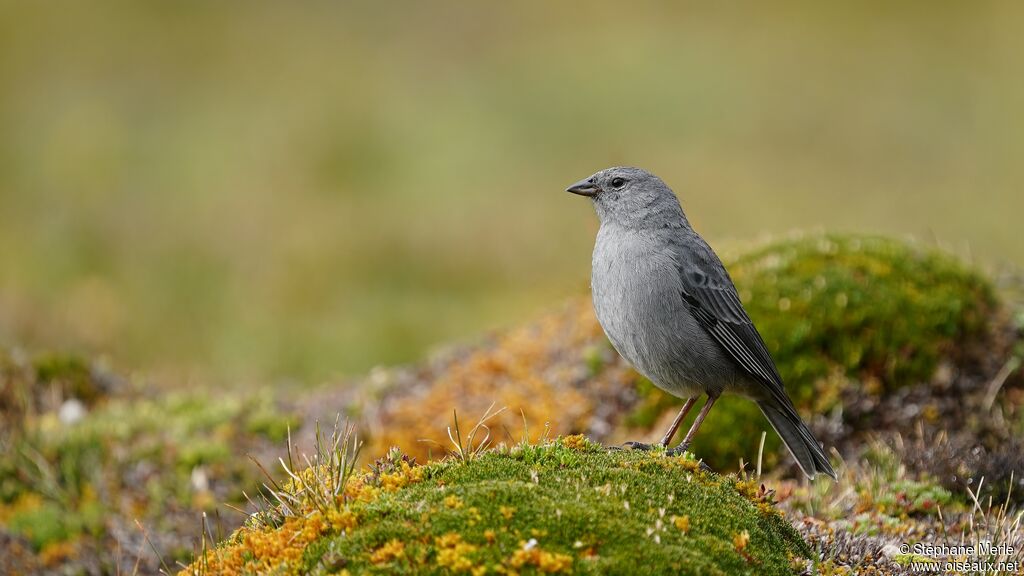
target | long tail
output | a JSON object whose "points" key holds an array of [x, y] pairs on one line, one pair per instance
{"points": [[798, 438]]}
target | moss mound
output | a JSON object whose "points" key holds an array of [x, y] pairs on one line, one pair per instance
{"points": [[872, 309], [840, 313], [567, 506]]}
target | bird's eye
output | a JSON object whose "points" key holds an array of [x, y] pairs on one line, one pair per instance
{"points": [[618, 182]]}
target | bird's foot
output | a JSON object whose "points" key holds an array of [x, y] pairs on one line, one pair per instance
{"points": [[638, 446], [677, 450]]}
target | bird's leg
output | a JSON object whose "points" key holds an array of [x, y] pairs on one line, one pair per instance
{"points": [[671, 431], [696, 424], [679, 420]]}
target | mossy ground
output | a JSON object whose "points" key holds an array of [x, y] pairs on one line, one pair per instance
{"points": [[566, 506], [80, 464], [71, 485]]}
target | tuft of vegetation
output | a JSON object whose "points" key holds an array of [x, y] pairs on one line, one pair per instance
{"points": [[880, 504], [559, 507]]}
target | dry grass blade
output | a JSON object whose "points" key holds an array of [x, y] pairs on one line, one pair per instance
{"points": [[145, 536], [760, 453], [469, 449], [325, 475]]}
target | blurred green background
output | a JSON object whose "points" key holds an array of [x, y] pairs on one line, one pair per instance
{"points": [[256, 191]]}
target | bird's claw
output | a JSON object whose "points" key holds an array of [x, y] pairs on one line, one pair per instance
{"points": [[637, 446], [677, 450]]}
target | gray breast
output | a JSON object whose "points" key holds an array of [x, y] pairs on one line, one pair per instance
{"points": [[637, 298]]}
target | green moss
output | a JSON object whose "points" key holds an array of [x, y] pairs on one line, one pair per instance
{"points": [[204, 452], [865, 306], [267, 420], [43, 524], [838, 311], [582, 509]]}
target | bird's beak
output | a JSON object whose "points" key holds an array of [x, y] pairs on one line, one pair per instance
{"points": [[585, 187]]}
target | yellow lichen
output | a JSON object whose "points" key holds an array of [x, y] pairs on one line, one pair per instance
{"points": [[260, 550], [342, 520], [26, 502], [740, 541], [682, 523], [407, 474], [55, 553], [507, 511], [263, 550], [452, 552], [359, 489], [749, 489], [549, 562], [390, 551], [576, 442]]}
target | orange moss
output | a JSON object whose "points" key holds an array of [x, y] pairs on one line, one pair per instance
{"points": [[56, 553], [390, 551], [741, 540], [407, 474], [26, 502], [682, 523], [342, 520], [261, 550], [549, 562], [452, 553], [576, 442], [363, 489], [534, 370]]}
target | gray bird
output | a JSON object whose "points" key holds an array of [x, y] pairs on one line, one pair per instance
{"points": [[670, 308]]}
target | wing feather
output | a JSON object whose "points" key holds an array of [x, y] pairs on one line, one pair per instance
{"points": [[711, 296]]}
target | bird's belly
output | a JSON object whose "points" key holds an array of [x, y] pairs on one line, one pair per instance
{"points": [[639, 304]]}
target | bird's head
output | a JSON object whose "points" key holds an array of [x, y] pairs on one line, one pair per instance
{"points": [[630, 197]]}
